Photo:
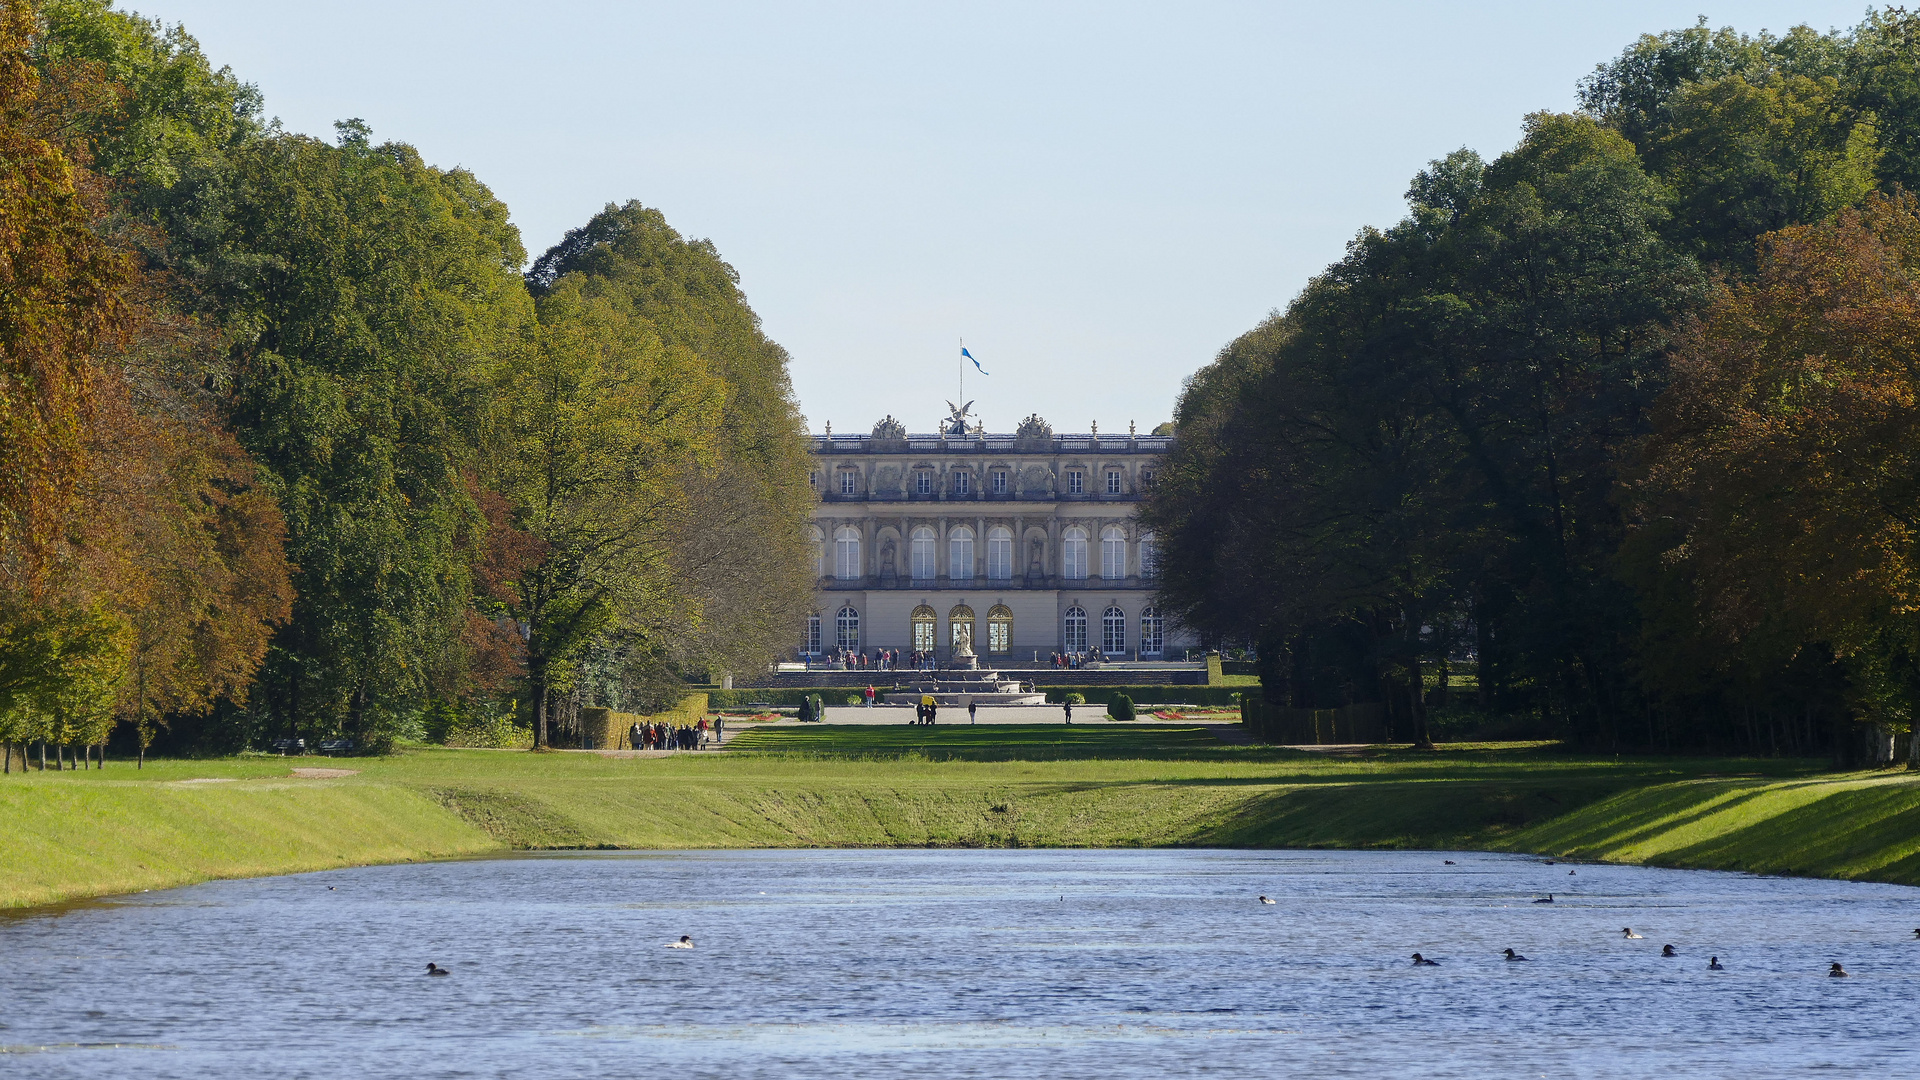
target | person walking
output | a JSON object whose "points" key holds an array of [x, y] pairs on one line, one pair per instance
{"points": [[719, 730], [973, 711], [869, 695], [1067, 707]]}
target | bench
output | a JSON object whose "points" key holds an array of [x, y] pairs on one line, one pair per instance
{"points": [[759, 704], [335, 746], [290, 746]]}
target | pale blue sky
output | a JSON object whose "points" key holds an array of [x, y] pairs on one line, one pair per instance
{"points": [[1096, 196]]}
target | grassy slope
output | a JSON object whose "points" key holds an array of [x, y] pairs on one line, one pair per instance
{"points": [[76, 834]]}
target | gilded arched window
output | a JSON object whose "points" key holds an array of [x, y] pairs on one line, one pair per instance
{"points": [[1000, 629], [1113, 631], [846, 553], [960, 554], [960, 627], [1076, 629], [923, 554], [922, 627], [1000, 553], [1073, 552], [1113, 553], [1152, 632], [847, 628]]}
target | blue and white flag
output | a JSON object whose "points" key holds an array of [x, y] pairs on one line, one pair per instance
{"points": [[976, 363]]}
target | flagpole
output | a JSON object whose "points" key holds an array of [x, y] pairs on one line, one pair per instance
{"points": [[963, 373]]}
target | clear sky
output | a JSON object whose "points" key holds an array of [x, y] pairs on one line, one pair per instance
{"points": [[1097, 197]]}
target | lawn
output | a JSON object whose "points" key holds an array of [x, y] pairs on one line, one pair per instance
{"points": [[85, 833]]}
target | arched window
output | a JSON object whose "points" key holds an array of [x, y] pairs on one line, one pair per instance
{"points": [[810, 644], [1149, 557], [923, 554], [846, 553], [960, 627], [1000, 629], [1073, 551], [1000, 553], [1113, 631], [847, 628], [960, 554], [1076, 629], [1113, 553], [922, 626], [1152, 632], [819, 541]]}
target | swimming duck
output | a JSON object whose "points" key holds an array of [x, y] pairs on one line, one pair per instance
{"points": [[1627, 932], [1547, 899], [436, 969], [1667, 950], [1713, 964], [1513, 956], [685, 942], [1264, 900], [1421, 961], [1573, 873], [1837, 972], [1450, 862], [1916, 935]]}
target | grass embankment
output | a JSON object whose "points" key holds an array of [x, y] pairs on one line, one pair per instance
{"points": [[86, 833]]}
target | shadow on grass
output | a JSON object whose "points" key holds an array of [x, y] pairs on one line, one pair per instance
{"points": [[1400, 814], [1868, 832]]}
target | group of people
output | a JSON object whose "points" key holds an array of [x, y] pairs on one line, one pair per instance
{"points": [[876, 660], [1069, 660], [663, 736]]}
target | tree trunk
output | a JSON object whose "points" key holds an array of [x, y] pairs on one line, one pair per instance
{"points": [[540, 714], [43, 755], [1417, 686]]}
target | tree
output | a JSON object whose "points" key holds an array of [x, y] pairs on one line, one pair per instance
{"points": [[1781, 477], [382, 294]]}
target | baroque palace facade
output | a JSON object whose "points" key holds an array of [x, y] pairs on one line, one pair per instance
{"points": [[1022, 545]]}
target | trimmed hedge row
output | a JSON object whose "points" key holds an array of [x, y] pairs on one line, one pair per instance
{"points": [[789, 697], [1145, 696]]}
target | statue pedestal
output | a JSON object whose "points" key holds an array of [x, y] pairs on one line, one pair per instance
{"points": [[963, 657]]}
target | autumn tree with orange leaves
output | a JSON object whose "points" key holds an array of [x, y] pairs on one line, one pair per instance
{"points": [[1783, 477]]}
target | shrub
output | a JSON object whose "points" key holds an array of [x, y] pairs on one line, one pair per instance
{"points": [[1121, 707], [1075, 698], [855, 699]]}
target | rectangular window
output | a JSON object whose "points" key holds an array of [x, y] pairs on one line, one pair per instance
{"points": [[999, 481], [962, 483], [813, 480], [923, 483], [1076, 482], [1113, 481], [847, 481], [1146, 478]]}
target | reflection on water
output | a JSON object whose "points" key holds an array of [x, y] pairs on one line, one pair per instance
{"points": [[1056, 964]]}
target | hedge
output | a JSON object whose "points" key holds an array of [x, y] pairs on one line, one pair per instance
{"points": [[1146, 696]]}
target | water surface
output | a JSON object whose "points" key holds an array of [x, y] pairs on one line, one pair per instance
{"points": [[1056, 964]]}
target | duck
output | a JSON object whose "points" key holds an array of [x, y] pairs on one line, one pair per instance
{"points": [[1450, 862], [1713, 964], [1836, 971], [1265, 900], [1573, 873], [1667, 950], [685, 942], [436, 969], [1916, 935], [1513, 956], [1547, 899], [1421, 961], [1627, 932]]}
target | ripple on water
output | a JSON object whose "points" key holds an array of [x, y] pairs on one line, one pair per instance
{"points": [[967, 963]]}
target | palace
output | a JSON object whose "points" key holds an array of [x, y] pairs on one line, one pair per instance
{"points": [[1021, 545]]}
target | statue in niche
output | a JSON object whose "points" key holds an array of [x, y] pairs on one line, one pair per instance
{"points": [[1039, 557], [886, 559]]}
